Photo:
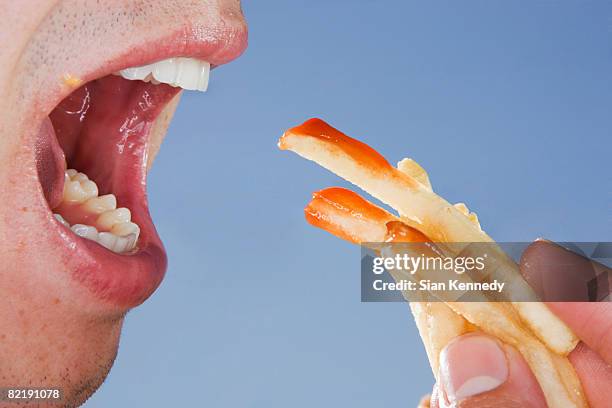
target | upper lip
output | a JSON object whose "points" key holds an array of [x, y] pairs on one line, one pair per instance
{"points": [[217, 45], [226, 46]]}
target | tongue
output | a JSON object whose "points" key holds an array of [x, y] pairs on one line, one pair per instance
{"points": [[50, 164]]}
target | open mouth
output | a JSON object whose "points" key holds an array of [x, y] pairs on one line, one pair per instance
{"points": [[92, 157], [102, 132]]}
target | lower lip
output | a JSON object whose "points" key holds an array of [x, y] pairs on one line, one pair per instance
{"points": [[122, 280]]}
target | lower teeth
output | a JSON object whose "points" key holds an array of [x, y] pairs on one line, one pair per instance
{"points": [[112, 227]]}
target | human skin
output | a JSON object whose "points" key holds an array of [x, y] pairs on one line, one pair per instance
{"points": [[60, 320], [509, 382]]}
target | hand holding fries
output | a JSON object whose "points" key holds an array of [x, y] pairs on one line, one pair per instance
{"points": [[543, 340], [469, 371]]}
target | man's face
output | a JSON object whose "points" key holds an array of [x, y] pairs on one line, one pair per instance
{"points": [[68, 282]]}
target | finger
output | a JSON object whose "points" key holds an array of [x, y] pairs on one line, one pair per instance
{"points": [[543, 262], [476, 370], [592, 323], [595, 375], [560, 275]]}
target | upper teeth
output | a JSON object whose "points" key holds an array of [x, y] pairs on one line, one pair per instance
{"points": [[188, 73]]}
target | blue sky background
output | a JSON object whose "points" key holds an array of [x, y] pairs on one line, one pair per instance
{"points": [[506, 104]]}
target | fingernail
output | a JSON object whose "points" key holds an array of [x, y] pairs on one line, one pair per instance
{"points": [[471, 365]]}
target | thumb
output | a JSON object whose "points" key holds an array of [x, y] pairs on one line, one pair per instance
{"points": [[478, 371]]}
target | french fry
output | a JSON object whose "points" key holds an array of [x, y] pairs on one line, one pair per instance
{"points": [[555, 374], [413, 169], [418, 207], [530, 327], [347, 216], [437, 323], [350, 217], [535, 315]]}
